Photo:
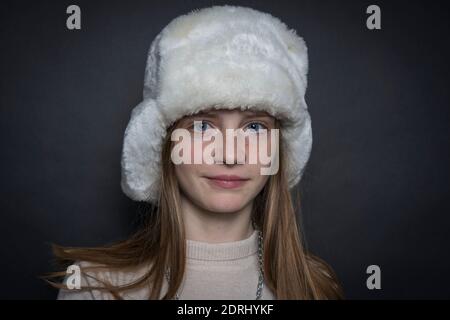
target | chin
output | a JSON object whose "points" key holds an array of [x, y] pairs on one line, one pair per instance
{"points": [[225, 203]]}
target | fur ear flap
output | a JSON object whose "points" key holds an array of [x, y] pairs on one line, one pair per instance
{"points": [[141, 152], [298, 148]]}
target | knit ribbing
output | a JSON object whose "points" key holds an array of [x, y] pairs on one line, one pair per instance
{"points": [[199, 250]]}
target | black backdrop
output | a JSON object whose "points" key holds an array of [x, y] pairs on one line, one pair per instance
{"points": [[377, 184]]}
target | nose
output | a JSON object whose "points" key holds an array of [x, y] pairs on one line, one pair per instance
{"points": [[233, 149]]}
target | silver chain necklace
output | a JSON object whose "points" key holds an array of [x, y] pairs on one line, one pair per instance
{"points": [[260, 264]]}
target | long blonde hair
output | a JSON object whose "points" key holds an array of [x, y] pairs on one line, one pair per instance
{"points": [[290, 271]]}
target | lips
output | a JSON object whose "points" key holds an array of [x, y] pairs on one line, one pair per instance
{"points": [[227, 181]]}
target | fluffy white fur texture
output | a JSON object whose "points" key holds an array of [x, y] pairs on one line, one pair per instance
{"points": [[217, 57]]}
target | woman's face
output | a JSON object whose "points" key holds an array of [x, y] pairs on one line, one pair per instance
{"points": [[233, 184]]}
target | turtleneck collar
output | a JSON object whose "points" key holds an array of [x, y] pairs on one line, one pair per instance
{"points": [[199, 250]]}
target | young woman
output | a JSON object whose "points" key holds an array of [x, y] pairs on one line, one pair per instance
{"points": [[225, 229]]}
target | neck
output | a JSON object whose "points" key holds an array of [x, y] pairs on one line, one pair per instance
{"points": [[216, 227]]}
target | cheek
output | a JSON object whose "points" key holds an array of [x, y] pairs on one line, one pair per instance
{"points": [[190, 180], [266, 146], [196, 150], [185, 174], [259, 179], [261, 149]]}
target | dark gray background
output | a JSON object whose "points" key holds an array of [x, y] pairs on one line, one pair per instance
{"points": [[377, 185]]}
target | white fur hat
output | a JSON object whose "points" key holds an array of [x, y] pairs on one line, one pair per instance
{"points": [[227, 56]]}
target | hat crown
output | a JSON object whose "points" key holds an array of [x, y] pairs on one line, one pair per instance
{"points": [[233, 32]]}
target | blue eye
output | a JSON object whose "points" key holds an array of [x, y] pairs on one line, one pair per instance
{"points": [[200, 126], [256, 127]]}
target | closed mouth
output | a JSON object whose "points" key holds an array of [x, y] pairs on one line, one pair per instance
{"points": [[227, 181], [228, 178]]}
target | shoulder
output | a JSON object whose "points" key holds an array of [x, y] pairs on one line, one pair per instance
{"points": [[95, 279]]}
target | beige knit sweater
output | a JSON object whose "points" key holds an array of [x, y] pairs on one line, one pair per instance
{"points": [[214, 271]]}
